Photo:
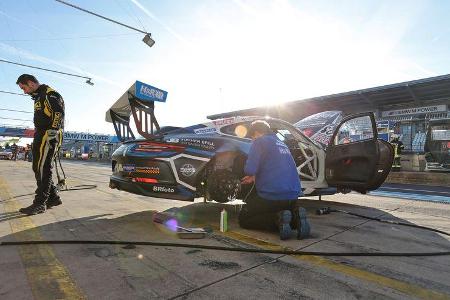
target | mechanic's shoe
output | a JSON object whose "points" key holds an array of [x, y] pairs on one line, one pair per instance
{"points": [[33, 209], [303, 227], [53, 202], [284, 220]]}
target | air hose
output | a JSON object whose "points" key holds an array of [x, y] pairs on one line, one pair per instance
{"points": [[132, 244], [219, 248], [61, 186]]}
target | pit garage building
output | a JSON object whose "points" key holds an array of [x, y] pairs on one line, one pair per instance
{"points": [[407, 108]]}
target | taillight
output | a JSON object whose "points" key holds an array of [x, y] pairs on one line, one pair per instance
{"points": [[145, 180], [156, 147]]}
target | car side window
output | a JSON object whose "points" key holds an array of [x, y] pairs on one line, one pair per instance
{"points": [[238, 129], [354, 130], [285, 135]]}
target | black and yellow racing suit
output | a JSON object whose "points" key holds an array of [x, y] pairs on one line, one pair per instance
{"points": [[48, 123]]}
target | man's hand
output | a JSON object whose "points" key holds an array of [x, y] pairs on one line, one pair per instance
{"points": [[248, 180]]}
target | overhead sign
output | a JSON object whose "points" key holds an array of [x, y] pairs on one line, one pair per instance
{"points": [[415, 110], [81, 136], [14, 131], [147, 92]]}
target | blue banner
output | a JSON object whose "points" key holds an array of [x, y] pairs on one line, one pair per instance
{"points": [[145, 91]]}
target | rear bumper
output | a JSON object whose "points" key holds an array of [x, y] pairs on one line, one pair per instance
{"points": [[174, 192]]}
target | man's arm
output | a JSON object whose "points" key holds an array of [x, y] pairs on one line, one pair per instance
{"points": [[54, 108]]}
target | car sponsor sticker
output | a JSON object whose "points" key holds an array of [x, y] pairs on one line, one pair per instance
{"points": [[148, 170], [187, 170], [173, 140], [204, 144], [207, 130], [163, 189], [129, 168], [224, 121]]}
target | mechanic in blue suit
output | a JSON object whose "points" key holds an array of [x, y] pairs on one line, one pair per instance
{"points": [[271, 167]]}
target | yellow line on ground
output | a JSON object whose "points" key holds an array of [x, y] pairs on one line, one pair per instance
{"points": [[48, 277], [404, 287]]}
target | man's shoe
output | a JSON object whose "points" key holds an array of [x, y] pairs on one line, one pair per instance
{"points": [[303, 227], [33, 209], [284, 227], [53, 202]]}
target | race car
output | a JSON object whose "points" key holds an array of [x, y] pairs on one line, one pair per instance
{"points": [[207, 160]]}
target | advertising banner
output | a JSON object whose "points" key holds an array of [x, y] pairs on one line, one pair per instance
{"points": [[415, 110], [145, 91]]}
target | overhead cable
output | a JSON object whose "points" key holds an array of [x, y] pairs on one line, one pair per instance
{"points": [[88, 81], [21, 111], [147, 38], [12, 93], [16, 119]]}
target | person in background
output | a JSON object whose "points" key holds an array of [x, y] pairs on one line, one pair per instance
{"points": [[14, 149]]}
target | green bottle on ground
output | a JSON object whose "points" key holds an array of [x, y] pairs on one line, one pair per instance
{"points": [[223, 221]]}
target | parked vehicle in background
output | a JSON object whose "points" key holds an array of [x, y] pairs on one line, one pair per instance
{"points": [[6, 154]]}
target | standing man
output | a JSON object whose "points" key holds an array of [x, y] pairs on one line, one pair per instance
{"points": [[48, 122], [14, 150], [271, 167], [398, 147]]}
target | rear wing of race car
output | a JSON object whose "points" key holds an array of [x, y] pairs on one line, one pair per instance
{"points": [[139, 101]]}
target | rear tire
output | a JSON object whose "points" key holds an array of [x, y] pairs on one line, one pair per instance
{"points": [[222, 185]]}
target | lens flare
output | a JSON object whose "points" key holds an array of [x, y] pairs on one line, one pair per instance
{"points": [[171, 224], [240, 131]]}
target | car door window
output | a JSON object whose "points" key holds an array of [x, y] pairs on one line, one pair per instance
{"points": [[238, 129], [354, 130]]}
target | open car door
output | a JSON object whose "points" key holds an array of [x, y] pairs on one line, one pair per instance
{"points": [[356, 159]]}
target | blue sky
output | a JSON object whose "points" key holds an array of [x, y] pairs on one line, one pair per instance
{"points": [[217, 56]]}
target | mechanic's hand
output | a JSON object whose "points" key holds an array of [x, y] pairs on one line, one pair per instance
{"points": [[248, 180]]}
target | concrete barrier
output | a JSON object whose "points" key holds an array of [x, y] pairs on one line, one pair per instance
{"points": [[424, 178]]}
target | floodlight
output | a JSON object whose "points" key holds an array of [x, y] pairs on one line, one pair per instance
{"points": [[89, 81], [148, 40]]}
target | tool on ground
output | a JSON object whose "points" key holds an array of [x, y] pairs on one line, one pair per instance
{"points": [[182, 232], [323, 211]]}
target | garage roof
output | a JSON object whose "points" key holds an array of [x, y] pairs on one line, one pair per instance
{"points": [[422, 92]]}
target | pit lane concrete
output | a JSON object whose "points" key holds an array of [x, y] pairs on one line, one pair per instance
{"points": [[112, 272]]}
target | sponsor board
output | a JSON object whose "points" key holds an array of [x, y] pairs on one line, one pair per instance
{"points": [[187, 170], [81, 136], [207, 130], [147, 92], [415, 110], [163, 189]]}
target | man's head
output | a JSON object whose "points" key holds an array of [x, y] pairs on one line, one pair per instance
{"points": [[259, 128], [28, 83]]}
